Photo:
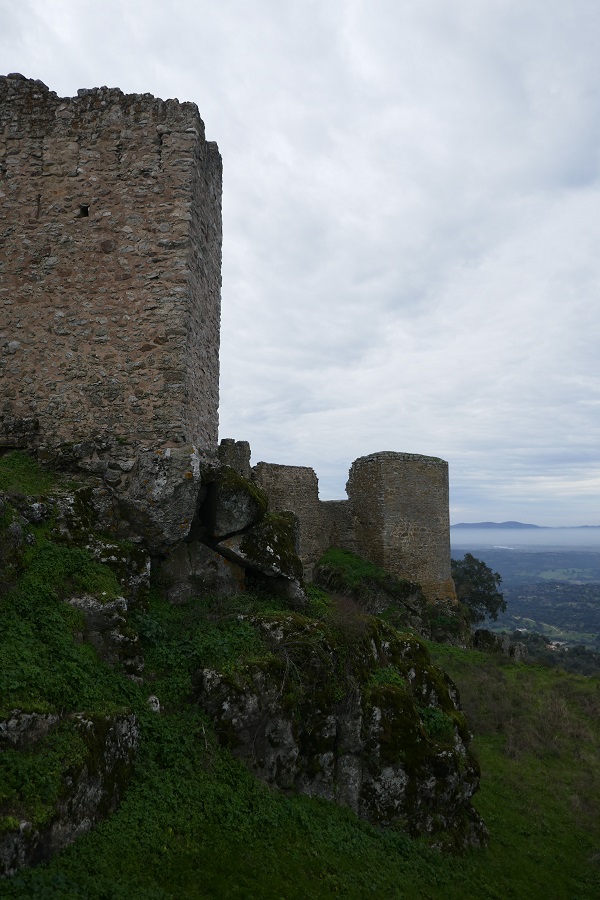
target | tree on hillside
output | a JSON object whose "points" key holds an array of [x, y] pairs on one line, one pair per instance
{"points": [[477, 587]]}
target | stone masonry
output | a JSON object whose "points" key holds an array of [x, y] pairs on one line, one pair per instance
{"points": [[396, 515], [110, 277], [400, 511], [110, 274]]}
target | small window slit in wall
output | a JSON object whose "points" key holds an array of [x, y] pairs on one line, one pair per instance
{"points": [[38, 205], [84, 211]]}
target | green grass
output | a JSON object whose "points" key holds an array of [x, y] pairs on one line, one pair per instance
{"points": [[43, 667], [194, 823], [21, 474]]}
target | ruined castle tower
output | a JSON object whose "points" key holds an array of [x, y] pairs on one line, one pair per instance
{"points": [[399, 504], [396, 515], [110, 275]]}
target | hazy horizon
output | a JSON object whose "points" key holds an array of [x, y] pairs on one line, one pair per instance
{"points": [[526, 538]]}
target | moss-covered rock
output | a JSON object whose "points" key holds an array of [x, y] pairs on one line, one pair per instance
{"points": [[400, 601], [269, 549], [193, 569], [359, 716], [61, 783]]}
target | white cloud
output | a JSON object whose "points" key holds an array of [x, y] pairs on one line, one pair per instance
{"points": [[410, 223]]}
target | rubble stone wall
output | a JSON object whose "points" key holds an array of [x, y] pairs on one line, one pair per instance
{"points": [[110, 230], [396, 515], [400, 509], [296, 489]]}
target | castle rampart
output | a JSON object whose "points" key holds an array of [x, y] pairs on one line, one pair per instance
{"points": [[396, 515], [110, 276], [110, 222], [296, 489]]}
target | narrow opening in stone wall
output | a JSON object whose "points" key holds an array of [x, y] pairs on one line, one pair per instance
{"points": [[84, 211]]}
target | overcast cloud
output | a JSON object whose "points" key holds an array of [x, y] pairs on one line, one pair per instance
{"points": [[411, 223]]}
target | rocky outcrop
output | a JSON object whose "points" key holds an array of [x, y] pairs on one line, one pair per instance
{"points": [[269, 549], [89, 788], [142, 494], [107, 630], [232, 505], [403, 602], [486, 640], [360, 717], [193, 569]]}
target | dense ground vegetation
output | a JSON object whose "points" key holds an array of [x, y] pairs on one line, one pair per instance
{"points": [[195, 823]]}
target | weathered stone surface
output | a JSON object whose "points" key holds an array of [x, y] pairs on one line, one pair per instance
{"points": [[396, 516], [381, 732], [91, 791], [269, 549], [79, 518], [160, 500], [296, 489], [193, 569], [518, 651], [110, 217], [233, 503], [236, 455], [107, 630], [18, 432], [401, 518], [22, 729]]}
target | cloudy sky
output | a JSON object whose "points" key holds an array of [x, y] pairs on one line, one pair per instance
{"points": [[411, 254]]}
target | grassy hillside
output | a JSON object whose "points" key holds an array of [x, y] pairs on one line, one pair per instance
{"points": [[195, 823]]}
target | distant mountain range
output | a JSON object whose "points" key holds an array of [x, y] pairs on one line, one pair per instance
{"points": [[513, 525]]}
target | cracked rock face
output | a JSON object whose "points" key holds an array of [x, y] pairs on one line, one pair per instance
{"points": [[160, 499], [193, 568], [269, 549], [91, 788], [233, 504], [375, 727]]}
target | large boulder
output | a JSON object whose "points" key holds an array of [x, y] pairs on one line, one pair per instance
{"points": [[192, 569], [142, 493], [232, 505], [269, 549]]}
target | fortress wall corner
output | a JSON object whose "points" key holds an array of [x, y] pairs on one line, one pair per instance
{"points": [[296, 489], [110, 218]]}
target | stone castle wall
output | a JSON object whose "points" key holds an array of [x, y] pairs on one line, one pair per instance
{"points": [[110, 229], [296, 489], [400, 509], [110, 276], [396, 515]]}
